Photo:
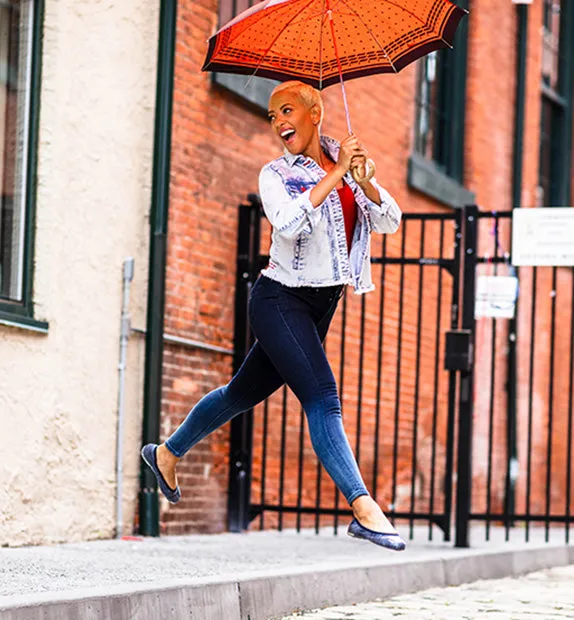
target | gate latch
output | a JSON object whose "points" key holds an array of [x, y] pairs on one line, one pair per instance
{"points": [[458, 353]]}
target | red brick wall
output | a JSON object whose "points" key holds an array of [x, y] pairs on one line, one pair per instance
{"points": [[219, 145]]}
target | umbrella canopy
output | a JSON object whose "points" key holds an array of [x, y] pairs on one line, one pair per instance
{"points": [[322, 41]]}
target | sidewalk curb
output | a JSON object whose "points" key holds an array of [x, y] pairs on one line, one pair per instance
{"points": [[256, 597]]}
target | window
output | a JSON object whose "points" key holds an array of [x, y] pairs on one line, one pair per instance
{"points": [[556, 117], [255, 90], [436, 166], [19, 39]]}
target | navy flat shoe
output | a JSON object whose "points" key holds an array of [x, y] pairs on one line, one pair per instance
{"points": [[389, 541], [149, 456]]}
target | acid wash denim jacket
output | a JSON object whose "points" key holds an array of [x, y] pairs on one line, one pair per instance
{"points": [[308, 244]]}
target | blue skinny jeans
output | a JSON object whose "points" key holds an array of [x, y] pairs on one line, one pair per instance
{"points": [[290, 325]]}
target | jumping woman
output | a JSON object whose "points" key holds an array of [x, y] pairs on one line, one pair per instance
{"points": [[322, 207]]}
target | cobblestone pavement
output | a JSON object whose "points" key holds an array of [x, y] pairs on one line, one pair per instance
{"points": [[543, 595]]}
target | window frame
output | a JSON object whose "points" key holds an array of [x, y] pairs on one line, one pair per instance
{"points": [[253, 90], [561, 101], [12, 312], [446, 184]]}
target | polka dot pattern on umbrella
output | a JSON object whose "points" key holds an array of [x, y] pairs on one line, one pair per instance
{"points": [[293, 39]]}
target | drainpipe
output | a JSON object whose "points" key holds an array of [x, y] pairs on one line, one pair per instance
{"points": [[148, 497], [517, 169]]}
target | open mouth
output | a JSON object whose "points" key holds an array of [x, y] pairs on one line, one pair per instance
{"points": [[287, 135]]}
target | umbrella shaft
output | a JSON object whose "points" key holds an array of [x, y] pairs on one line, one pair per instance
{"points": [[330, 13]]}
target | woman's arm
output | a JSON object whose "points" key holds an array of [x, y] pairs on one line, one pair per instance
{"points": [[349, 149], [291, 216], [384, 211]]}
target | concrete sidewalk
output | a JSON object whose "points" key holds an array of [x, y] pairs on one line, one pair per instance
{"points": [[252, 576]]}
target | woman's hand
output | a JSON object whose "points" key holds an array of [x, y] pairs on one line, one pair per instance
{"points": [[362, 168], [350, 148]]}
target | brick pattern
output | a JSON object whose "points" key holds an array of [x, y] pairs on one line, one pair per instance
{"points": [[219, 146]]}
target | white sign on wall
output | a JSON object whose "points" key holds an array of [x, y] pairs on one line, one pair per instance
{"points": [[495, 297], [543, 236]]}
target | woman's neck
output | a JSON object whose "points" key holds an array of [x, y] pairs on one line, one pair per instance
{"points": [[315, 151]]}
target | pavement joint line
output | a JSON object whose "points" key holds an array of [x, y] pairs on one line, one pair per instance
{"points": [[248, 592]]}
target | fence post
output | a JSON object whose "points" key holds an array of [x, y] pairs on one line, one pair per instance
{"points": [[241, 436], [466, 400]]}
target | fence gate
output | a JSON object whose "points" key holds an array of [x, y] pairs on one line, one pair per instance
{"points": [[387, 350], [516, 401], [410, 371]]}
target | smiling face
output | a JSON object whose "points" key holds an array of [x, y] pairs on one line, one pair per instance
{"points": [[293, 121]]}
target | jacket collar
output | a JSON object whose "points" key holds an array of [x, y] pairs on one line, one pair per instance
{"points": [[330, 145]]}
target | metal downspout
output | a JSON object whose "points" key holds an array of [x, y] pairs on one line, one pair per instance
{"points": [[517, 170], [148, 499]]}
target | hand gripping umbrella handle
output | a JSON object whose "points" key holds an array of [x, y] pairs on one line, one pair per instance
{"points": [[364, 173]]}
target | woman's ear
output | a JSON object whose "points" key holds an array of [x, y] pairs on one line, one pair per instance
{"points": [[316, 114]]}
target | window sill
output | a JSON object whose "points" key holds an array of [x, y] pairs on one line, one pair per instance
{"points": [[425, 177], [255, 92], [26, 323]]}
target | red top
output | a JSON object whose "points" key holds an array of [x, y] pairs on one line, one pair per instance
{"points": [[349, 212]]}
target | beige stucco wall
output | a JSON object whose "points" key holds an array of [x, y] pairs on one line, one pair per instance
{"points": [[58, 392]]}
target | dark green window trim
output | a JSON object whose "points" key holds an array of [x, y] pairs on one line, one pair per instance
{"points": [[23, 322], [561, 102], [442, 178], [426, 177], [21, 314]]}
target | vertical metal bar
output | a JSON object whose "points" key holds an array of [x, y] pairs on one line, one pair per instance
{"points": [[318, 497], [549, 446], [398, 374], [530, 403], [460, 217], [435, 385], [264, 460], [241, 434], [360, 385], [282, 458], [300, 474], [341, 391], [464, 451], [517, 174], [492, 397], [511, 426], [379, 371], [570, 403], [417, 381]]}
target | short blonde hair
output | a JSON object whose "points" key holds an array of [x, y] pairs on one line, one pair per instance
{"points": [[309, 96]]}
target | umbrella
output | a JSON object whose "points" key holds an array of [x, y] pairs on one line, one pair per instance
{"points": [[322, 42]]}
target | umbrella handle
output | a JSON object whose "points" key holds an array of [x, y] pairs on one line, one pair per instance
{"points": [[370, 170]]}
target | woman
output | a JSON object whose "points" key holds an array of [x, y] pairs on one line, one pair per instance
{"points": [[322, 219]]}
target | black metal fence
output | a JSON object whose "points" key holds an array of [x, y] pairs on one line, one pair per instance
{"points": [[521, 441], [403, 357]]}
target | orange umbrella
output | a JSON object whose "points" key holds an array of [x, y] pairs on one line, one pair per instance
{"points": [[321, 42]]}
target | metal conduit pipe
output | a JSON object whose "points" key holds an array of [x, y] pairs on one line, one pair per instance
{"points": [[128, 276]]}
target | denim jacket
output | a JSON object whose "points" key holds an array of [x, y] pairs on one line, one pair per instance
{"points": [[308, 244]]}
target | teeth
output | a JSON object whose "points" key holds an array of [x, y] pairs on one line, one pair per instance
{"points": [[287, 133]]}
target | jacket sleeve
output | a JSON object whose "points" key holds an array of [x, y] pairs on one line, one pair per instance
{"points": [[288, 216], [385, 217]]}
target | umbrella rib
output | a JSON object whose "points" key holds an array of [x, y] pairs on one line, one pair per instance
{"points": [[321, 51], [258, 17], [372, 35], [275, 39]]}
